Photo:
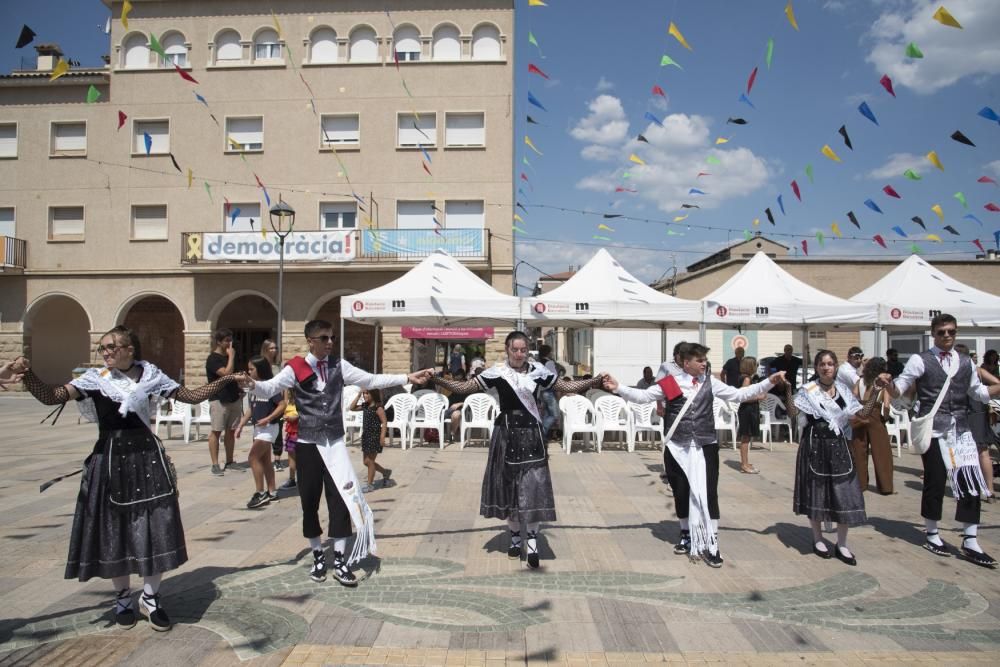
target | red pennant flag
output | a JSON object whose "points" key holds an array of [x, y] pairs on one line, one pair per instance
{"points": [[753, 77], [524, 176], [671, 389], [985, 179], [395, 57], [621, 189], [659, 91], [426, 169], [534, 70], [992, 207], [887, 84], [121, 119], [702, 173], [259, 184], [795, 189], [227, 205], [805, 247], [185, 75], [979, 245], [879, 240], [891, 192]]}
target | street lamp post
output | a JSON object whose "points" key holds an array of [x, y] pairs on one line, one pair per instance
{"points": [[278, 214]]}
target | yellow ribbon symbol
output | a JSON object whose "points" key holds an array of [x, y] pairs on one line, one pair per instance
{"points": [[194, 247]]}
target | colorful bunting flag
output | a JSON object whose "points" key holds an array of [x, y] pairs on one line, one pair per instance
{"points": [[770, 52], [917, 219], [962, 139], [93, 94], [659, 91], [679, 218], [809, 172], [155, 47], [879, 240], [887, 84], [746, 232], [915, 249], [60, 69], [536, 3], [735, 121], [184, 75], [828, 152], [989, 114], [721, 140], [533, 100], [889, 190], [770, 216], [986, 179], [781, 205], [653, 119], [126, 9], [121, 119], [835, 228], [847, 140], [932, 157], [944, 17], [912, 175], [208, 189], [951, 230], [635, 158], [174, 161], [992, 207], [533, 69], [674, 32], [746, 100], [605, 227], [532, 40], [753, 77], [795, 189], [712, 159], [969, 216], [853, 219], [667, 60], [867, 112], [642, 139], [979, 245], [961, 198], [696, 191], [820, 238], [872, 205], [899, 230], [531, 145], [939, 211], [805, 247], [912, 51], [148, 140], [190, 177], [790, 13], [934, 237], [25, 38], [532, 121]]}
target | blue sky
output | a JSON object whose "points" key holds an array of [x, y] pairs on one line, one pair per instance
{"points": [[603, 58]]}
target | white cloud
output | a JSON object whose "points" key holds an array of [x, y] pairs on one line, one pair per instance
{"points": [[603, 85], [676, 152], [555, 257], [949, 54], [834, 6], [993, 166], [897, 164]]}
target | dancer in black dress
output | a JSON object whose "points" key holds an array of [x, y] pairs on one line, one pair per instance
{"points": [[127, 519], [517, 485]]}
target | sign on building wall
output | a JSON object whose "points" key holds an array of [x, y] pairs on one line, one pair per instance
{"points": [[422, 242], [324, 246], [734, 339]]}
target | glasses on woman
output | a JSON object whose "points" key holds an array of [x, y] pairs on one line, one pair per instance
{"points": [[109, 349]]}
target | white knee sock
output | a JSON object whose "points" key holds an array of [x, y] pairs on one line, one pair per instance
{"points": [[533, 527], [685, 524], [931, 526], [316, 543], [842, 537], [339, 545], [973, 530]]}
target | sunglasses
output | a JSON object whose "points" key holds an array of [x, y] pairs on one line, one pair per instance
{"points": [[323, 339], [946, 332]]}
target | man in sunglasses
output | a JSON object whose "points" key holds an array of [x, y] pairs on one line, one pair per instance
{"points": [[952, 453], [317, 382], [848, 372]]}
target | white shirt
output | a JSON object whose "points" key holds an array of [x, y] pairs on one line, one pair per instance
{"points": [[914, 370], [847, 374]]}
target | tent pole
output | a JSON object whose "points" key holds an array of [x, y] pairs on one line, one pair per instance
{"points": [[663, 341], [375, 357], [702, 334], [805, 355], [341, 337], [878, 340]]}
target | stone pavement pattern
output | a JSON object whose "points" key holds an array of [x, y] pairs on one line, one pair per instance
{"points": [[443, 592]]}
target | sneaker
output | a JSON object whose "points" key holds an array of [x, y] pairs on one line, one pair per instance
{"points": [[124, 613], [514, 550], [277, 466], [318, 571], [341, 572], [272, 496], [258, 499], [150, 607], [367, 488], [712, 560], [216, 470], [683, 547], [289, 484], [386, 474]]}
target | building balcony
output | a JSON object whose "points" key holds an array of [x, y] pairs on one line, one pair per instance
{"points": [[334, 246], [13, 254]]}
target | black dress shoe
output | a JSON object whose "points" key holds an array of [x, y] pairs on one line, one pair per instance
{"points": [[683, 547], [980, 558], [850, 560], [514, 550], [824, 554], [936, 549]]}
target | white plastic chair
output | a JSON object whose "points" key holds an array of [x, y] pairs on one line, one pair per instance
{"points": [[725, 419], [422, 392], [204, 417], [578, 417], [402, 406], [478, 411], [180, 413], [595, 393], [429, 413], [613, 416], [769, 418], [898, 424], [353, 419], [642, 422]]}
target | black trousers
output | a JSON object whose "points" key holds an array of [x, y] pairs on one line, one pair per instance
{"points": [[278, 443], [313, 479], [932, 498], [679, 483]]}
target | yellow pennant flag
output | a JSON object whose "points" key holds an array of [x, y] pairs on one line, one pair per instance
{"points": [[678, 218], [835, 228], [235, 144], [933, 159], [190, 176], [827, 151], [934, 237], [61, 68], [605, 228], [676, 34], [944, 17], [756, 222], [790, 13], [126, 10], [721, 140], [531, 145], [536, 3], [518, 218], [277, 26], [635, 158], [937, 209]]}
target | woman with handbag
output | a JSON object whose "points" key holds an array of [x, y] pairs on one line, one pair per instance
{"points": [[873, 437], [127, 518]]}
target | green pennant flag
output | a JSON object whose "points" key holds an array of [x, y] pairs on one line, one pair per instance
{"points": [[671, 232], [626, 175], [711, 159], [915, 249], [770, 52], [747, 235], [961, 197], [154, 46], [93, 94], [912, 51], [532, 40], [912, 175], [208, 189], [667, 60], [820, 238], [518, 229], [809, 172]]}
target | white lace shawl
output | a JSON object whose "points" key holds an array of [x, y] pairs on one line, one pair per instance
{"points": [[812, 400], [119, 387], [523, 384]]}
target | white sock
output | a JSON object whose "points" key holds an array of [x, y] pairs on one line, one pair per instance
{"points": [[533, 527], [514, 525], [715, 526], [151, 585], [685, 524], [339, 545], [973, 530], [842, 538], [931, 527], [316, 543]]}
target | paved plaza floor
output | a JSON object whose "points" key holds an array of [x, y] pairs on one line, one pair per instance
{"points": [[610, 590]]}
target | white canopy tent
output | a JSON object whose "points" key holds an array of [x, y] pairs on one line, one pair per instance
{"points": [[912, 293], [603, 294], [437, 292]]}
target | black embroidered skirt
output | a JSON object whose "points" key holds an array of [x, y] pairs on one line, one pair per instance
{"points": [[127, 518], [517, 483], [826, 483]]}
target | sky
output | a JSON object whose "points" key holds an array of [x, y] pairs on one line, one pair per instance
{"points": [[602, 59]]}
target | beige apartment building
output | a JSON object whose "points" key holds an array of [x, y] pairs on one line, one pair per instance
{"points": [[387, 126]]}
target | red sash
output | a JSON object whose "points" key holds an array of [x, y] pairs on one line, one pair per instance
{"points": [[303, 371]]}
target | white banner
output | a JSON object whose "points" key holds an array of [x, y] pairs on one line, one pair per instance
{"points": [[325, 246]]}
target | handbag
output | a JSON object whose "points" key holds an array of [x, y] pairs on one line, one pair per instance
{"points": [[922, 428]]}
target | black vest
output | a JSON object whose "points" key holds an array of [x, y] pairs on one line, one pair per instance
{"points": [[698, 423], [320, 412], [956, 401]]}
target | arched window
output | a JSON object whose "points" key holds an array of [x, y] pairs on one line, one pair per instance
{"points": [[406, 42], [364, 48], [228, 47], [324, 46], [267, 45], [446, 43], [174, 46], [486, 43], [136, 52]]}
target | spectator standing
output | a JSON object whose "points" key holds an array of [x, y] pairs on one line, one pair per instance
{"points": [[893, 365], [849, 372], [265, 414], [647, 380], [730, 373], [226, 408], [789, 363], [456, 361]]}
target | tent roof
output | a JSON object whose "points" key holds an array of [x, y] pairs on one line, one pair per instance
{"points": [[762, 294], [603, 294], [439, 291], [912, 293]]}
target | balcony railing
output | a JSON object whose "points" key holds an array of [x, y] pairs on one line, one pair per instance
{"points": [[13, 253], [334, 246]]}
